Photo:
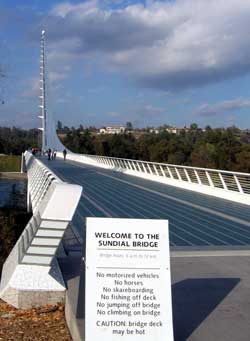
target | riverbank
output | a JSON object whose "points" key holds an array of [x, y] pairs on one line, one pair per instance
{"points": [[13, 176], [10, 163]]}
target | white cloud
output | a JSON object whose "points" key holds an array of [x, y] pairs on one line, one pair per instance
{"points": [[222, 107], [31, 88], [113, 114], [163, 45], [66, 8], [152, 110], [56, 76]]}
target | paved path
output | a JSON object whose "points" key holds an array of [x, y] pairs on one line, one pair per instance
{"points": [[210, 298], [195, 219]]}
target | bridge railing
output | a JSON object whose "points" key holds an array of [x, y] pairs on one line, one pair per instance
{"points": [[232, 181], [31, 275], [40, 178], [226, 184]]}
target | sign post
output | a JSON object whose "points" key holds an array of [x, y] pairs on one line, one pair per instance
{"points": [[128, 285]]}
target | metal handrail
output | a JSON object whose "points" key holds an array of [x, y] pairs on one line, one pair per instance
{"points": [[229, 181], [165, 164]]}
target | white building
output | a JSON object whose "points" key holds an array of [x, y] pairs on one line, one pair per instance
{"points": [[154, 131], [112, 130], [172, 130]]}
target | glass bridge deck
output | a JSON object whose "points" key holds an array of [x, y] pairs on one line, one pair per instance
{"points": [[195, 220]]}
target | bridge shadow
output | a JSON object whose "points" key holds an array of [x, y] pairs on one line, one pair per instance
{"points": [[194, 300]]}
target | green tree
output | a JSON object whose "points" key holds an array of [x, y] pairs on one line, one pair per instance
{"points": [[159, 151], [59, 125], [242, 160], [129, 126], [204, 156], [194, 126]]}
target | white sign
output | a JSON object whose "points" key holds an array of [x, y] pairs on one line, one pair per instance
{"points": [[128, 286]]}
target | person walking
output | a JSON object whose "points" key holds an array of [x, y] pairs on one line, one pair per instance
{"points": [[64, 154], [49, 154]]}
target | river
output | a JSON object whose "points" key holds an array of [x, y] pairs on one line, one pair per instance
{"points": [[13, 193]]}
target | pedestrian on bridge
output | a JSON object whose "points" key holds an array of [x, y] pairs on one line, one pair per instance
{"points": [[54, 154], [64, 154], [49, 154]]}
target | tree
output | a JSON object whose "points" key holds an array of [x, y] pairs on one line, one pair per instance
{"points": [[193, 126], [129, 126], [159, 151], [242, 163], [204, 156], [59, 125], [122, 146]]}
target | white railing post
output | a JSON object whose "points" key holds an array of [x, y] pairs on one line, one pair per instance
{"points": [[197, 177], [144, 168], [127, 165], [170, 173], [187, 175], [156, 170], [130, 165], [238, 184], [138, 165], [222, 181], [133, 165], [178, 174], [150, 170], [163, 173], [209, 179]]}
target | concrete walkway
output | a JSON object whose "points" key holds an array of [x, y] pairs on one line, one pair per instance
{"points": [[211, 298], [210, 295]]}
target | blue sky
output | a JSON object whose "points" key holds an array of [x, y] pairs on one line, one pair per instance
{"points": [[112, 61]]}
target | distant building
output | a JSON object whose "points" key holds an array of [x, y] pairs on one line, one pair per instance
{"points": [[177, 131], [112, 130], [154, 131], [172, 130]]}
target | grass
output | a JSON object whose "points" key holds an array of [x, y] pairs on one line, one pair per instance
{"points": [[10, 163]]}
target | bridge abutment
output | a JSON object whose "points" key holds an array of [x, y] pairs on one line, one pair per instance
{"points": [[31, 286], [31, 276]]}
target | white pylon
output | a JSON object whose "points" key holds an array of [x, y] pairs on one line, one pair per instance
{"points": [[49, 135], [42, 97]]}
